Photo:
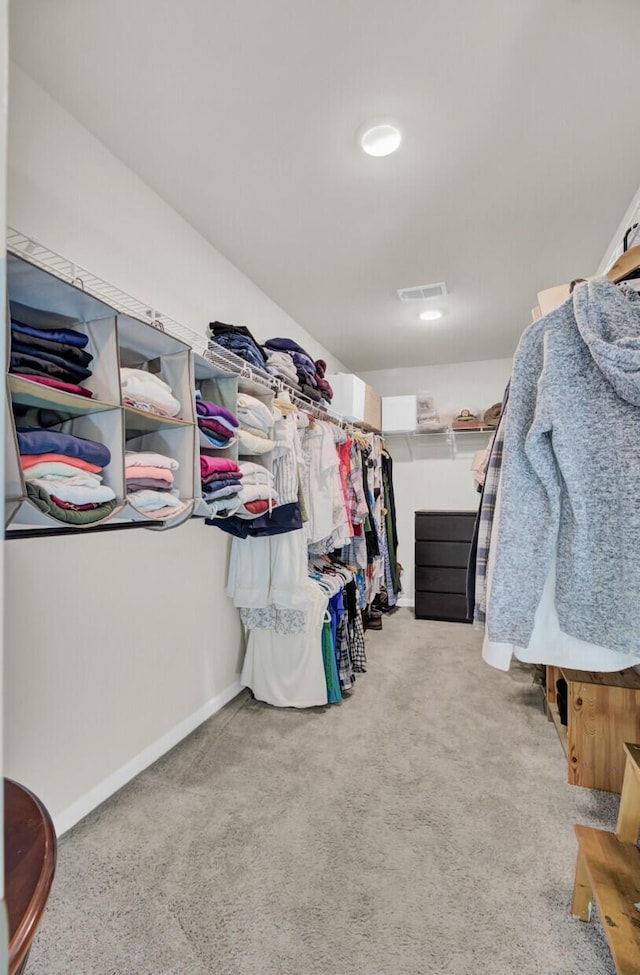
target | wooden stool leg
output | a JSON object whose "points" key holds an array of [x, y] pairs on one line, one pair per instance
{"points": [[629, 812], [582, 893]]}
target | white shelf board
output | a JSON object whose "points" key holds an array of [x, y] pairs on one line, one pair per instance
{"points": [[27, 393], [425, 446]]}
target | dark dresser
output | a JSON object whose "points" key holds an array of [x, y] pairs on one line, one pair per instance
{"points": [[443, 539]]}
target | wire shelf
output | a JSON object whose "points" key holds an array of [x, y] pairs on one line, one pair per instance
{"points": [[43, 257], [79, 276]]}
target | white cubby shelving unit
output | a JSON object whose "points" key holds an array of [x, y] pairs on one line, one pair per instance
{"points": [[266, 396], [216, 385], [150, 350], [221, 386], [43, 300], [39, 299], [122, 330]]}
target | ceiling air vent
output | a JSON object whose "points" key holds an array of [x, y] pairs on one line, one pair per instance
{"points": [[423, 291]]}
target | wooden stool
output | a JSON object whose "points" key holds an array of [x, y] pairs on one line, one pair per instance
{"points": [[629, 812], [30, 862], [608, 870], [603, 713]]}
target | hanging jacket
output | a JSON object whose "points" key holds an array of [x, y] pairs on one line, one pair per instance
{"points": [[571, 474], [370, 530], [390, 520]]}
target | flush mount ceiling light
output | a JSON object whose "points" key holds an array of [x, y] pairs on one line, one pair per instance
{"points": [[380, 138], [431, 315]]}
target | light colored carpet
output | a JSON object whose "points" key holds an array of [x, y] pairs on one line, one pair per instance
{"points": [[423, 827]]}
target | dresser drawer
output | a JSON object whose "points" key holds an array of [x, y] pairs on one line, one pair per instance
{"points": [[438, 579], [441, 606], [455, 554], [445, 527]]}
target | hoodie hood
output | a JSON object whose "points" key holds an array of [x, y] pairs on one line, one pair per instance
{"points": [[608, 319]]}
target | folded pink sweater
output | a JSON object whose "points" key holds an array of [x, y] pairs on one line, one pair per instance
{"points": [[210, 465]]}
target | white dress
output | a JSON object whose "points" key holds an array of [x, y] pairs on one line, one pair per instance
{"points": [[287, 670], [268, 571]]}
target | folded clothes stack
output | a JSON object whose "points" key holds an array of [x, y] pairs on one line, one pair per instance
{"points": [[256, 424], [146, 391], [281, 365], [63, 475], [150, 484], [324, 386], [238, 339], [51, 357], [303, 364], [221, 484], [257, 495], [218, 424]]}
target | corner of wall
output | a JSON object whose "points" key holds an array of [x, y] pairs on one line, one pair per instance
{"points": [[67, 818]]}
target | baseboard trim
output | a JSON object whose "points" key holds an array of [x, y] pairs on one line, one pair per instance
{"points": [[109, 786], [406, 601]]}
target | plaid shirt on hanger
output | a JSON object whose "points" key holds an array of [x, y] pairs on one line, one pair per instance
{"points": [[487, 511], [345, 669], [357, 651]]}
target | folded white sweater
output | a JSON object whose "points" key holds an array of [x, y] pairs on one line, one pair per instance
{"points": [[249, 445], [253, 412], [149, 500], [145, 387], [147, 458], [83, 489]]}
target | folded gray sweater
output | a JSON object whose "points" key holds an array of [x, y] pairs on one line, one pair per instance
{"points": [[571, 473]]}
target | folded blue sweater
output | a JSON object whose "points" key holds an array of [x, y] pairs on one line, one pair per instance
{"points": [[32, 440], [65, 335]]}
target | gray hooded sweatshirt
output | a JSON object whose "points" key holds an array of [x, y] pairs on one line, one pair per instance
{"points": [[571, 474]]}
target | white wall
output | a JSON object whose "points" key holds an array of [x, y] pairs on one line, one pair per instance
{"points": [[436, 480], [117, 644]]}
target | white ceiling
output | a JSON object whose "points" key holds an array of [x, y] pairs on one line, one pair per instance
{"points": [[521, 153]]}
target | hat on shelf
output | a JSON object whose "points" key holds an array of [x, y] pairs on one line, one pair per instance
{"points": [[492, 415], [465, 420], [465, 416]]}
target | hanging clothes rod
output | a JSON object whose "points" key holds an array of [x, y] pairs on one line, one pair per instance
{"points": [[228, 361], [11, 534]]}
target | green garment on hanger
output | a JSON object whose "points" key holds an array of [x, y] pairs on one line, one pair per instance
{"points": [[334, 694]]}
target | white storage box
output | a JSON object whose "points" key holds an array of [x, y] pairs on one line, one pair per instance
{"points": [[349, 394], [398, 414]]}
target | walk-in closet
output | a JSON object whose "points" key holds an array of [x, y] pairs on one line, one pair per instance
{"points": [[321, 475]]}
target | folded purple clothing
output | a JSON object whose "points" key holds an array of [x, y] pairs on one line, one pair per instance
{"points": [[324, 385], [303, 361], [215, 488], [205, 408], [307, 377], [286, 345], [302, 365], [222, 476], [208, 423], [212, 479], [146, 483]]}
